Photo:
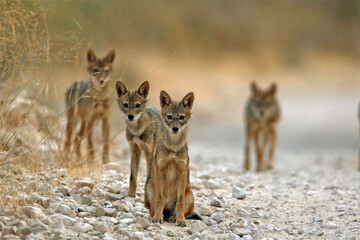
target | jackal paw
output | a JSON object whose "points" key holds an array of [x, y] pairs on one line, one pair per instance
{"points": [[172, 219], [156, 219], [247, 167], [181, 223], [131, 194], [105, 160], [260, 169]]}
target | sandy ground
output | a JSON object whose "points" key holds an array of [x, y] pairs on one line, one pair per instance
{"points": [[318, 198]]}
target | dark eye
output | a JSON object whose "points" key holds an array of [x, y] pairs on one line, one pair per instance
{"points": [[181, 117], [95, 70], [169, 117], [137, 105], [125, 105]]}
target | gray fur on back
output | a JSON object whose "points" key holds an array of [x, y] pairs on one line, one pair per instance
{"points": [[77, 93], [153, 111]]}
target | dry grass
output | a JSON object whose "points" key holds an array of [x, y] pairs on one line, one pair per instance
{"points": [[30, 131]]}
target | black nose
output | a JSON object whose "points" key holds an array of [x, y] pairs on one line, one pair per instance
{"points": [[102, 81], [131, 117], [175, 129]]}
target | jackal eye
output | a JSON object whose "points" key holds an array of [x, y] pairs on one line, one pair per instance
{"points": [[125, 105], [137, 105], [95, 70], [181, 117], [169, 117]]}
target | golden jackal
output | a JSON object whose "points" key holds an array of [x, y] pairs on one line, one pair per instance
{"points": [[90, 100], [262, 116], [168, 191], [142, 128]]}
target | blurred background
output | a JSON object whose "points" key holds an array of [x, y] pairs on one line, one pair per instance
{"points": [[215, 49]]}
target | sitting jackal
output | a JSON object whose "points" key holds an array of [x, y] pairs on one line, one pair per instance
{"points": [[262, 115], [88, 101], [168, 193]]}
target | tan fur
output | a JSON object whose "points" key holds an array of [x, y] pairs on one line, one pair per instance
{"points": [[89, 101], [142, 132], [169, 186], [359, 135], [262, 116]]}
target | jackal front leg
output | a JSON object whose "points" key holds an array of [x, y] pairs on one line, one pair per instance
{"points": [[259, 152], [273, 141], [159, 198], [106, 139], [69, 131], [249, 136], [89, 130], [180, 203], [359, 159], [135, 162], [79, 138]]}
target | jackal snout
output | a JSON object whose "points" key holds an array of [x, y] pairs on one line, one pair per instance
{"points": [[264, 101], [132, 103], [176, 115], [100, 68]]}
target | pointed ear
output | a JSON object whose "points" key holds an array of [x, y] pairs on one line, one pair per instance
{"points": [[272, 89], [120, 88], [254, 88], [110, 57], [144, 89], [165, 99], [188, 100], [91, 56]]}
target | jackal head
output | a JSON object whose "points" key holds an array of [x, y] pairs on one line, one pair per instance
{"points": [[263, 101], [132, 103], [176, 115], [100, 68]]}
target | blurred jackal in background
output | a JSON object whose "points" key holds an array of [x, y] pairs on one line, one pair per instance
{"points": [[142, 128], [168, 191], [88, 101], [262, 116]]}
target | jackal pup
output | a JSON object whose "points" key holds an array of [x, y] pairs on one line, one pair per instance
{"points": [[262, 116], [168, 191], [142, 128], [90, 100]]}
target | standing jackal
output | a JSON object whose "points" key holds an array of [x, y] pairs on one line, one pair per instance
{"points": [[168, 191], [142, 128], [359, 135], [88, 101], [262, 116]]}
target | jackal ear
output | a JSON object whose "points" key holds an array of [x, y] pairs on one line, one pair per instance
{"points": [[144, 89], [188, 100], [254, 88], [120, 88], [272, 89], [91, 56], [165, 99], [110, 57]]}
